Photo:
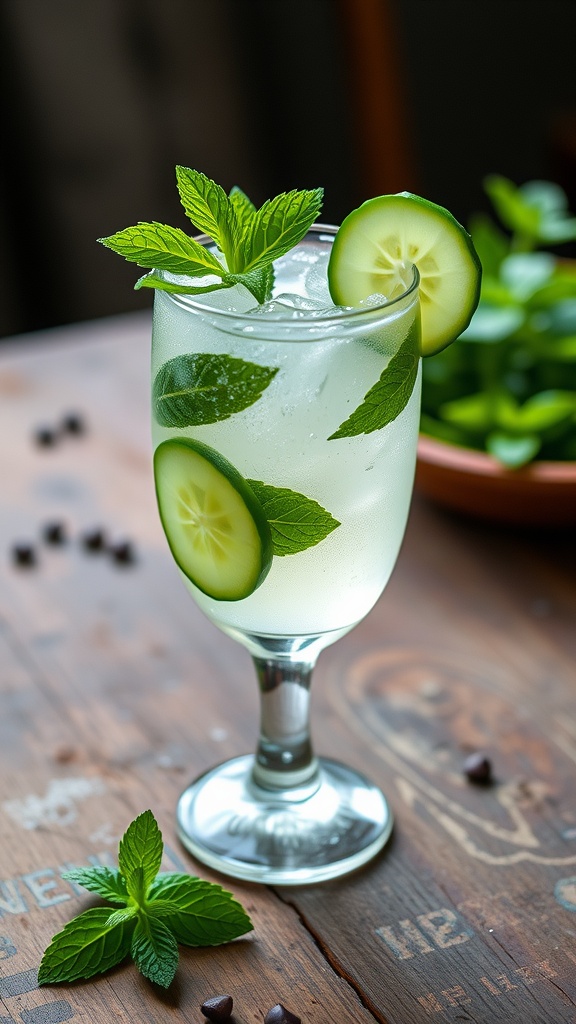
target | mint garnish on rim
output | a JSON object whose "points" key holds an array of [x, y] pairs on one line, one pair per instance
{"points": [[155, 913], [248, 239]]}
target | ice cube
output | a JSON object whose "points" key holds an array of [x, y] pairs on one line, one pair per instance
{"points": [[275, 307], [316, 280], [300, 302], [295, 307]]}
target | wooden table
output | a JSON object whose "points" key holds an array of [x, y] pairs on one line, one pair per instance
{"points": [[115, 691]]}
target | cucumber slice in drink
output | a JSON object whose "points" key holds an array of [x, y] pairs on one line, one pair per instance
{"points": [[376, 246], [215, 526]]}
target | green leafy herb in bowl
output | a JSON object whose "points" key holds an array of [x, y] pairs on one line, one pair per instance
{"points": [[508, 387]]}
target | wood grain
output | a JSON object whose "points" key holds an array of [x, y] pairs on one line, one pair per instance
{"points": [[115, 691]]}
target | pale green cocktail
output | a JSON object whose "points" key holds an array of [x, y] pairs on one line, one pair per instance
{"points": [[285, 432], [324, 361]]}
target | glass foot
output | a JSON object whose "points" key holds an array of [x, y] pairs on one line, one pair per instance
{"points": [[326, 828]]}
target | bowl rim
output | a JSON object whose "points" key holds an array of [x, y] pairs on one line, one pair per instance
{"points": [[433, 451]]}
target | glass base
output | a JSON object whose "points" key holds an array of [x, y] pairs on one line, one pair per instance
{"points": [[327, 827]]}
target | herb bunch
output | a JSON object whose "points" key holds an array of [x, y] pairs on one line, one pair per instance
{"points": [[508, 386], [154, 913], [248, 240]]}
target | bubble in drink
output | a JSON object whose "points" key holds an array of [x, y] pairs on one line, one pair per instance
{"points": [[376, 299]]}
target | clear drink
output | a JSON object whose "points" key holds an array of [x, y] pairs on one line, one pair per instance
{"points": [[327, 360], [333, 433]]}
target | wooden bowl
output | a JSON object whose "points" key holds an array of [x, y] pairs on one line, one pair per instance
{"points": [[540, 494]]}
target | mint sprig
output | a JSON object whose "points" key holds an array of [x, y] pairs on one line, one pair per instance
{"points": [[249, 240], [157, 912]]}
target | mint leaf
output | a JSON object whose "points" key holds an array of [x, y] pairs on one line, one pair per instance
{"points": [[389, 396], [140, 854], [243, 214], [107, 882], [155, 951], [160, 907], [242, 205], [86, 946], [492, 323], [511, 450], [296, 522], [120, 916], [179, 908], [207, 206], [156, 280], [207, 914], [259, 282], [278, 226], [193, 389], [160, 247]]}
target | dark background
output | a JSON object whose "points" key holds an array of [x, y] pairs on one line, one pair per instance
{"points": [[101, 98]]}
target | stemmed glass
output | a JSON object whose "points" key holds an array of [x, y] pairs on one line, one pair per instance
{"points": [[283, 815]]}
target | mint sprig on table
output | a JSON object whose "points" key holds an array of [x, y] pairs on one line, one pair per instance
{"points": [[248, 239], [155, 913]]}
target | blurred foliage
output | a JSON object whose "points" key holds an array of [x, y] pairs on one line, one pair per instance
{"points": [[508, 385]]}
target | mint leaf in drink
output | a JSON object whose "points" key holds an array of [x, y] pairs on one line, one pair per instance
{"points": [[160, 247], [249, 239], [86, 946], [155, 951], [107, 882], [207, 915], [296, 522], [140, 855], [194, 389], [155, 915], [389, 396]]}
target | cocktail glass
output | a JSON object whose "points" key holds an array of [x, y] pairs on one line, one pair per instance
{"points": [[283, 815]]}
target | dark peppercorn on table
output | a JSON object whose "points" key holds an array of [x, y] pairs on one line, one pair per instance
{"points": [[115, 692]]}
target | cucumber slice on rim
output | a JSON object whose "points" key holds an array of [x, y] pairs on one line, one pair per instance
{"points": [[376, 246], [214, 524]]}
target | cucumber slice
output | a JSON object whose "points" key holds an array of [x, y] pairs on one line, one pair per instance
{"points": [[378, 243], [215, 526]]}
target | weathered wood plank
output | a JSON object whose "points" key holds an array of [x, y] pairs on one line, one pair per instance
{"points": [[470, 913], [115, 691], [106, 707]]}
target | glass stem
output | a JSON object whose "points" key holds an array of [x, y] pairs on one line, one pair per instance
{"points": [[284, 757]]}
